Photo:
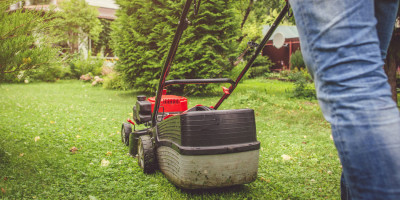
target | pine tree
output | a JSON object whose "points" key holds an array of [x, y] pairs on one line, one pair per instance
{"points": [[143, 33], [23, 43]]}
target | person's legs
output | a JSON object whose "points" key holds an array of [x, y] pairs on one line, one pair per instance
{"points": [[342, 49]]}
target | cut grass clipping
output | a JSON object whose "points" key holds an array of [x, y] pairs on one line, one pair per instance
{"points": [[61, 141]]}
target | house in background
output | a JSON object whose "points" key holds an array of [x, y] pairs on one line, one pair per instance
{"points": [[281, 57], [106, 8]]}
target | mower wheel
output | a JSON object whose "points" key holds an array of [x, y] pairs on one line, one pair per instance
{"points": [[146, 154], [125, 131]]}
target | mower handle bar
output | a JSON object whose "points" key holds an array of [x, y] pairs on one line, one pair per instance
{"points": [[256, 53], [198, 81], [182, 25]]}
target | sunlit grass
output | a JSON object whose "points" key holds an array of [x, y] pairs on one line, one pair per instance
{"points": [[297, 158]]}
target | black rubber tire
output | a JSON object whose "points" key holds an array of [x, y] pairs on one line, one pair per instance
{"points": [[126, 130], [146, 154], [133, 145]]}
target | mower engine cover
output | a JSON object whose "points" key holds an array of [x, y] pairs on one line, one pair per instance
{"points": [[169, 104]]}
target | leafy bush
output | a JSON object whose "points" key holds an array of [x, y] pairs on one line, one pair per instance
{"points": [[294, 74], [302, 84], [74, 22], [236, 71], [272, 75], [285, 73], [11, 77], [80, 66], [115, 81], [50, 73], [143, 32], [260, 66], [296, 60], [47, 74]]}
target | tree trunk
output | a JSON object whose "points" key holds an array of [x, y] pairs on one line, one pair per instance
{"points": [[390, 69], [246, 15], [392, 62]]}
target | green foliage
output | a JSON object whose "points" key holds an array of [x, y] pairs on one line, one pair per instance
{"points": [[80, 65], [237, 70], [115, 81], [301, 80], [75, 21], [262, 12], [260, 66], [296, 60], [143, 32], [48, 74], [24, 44], [273, 12], [104, 37], [285, 73]]}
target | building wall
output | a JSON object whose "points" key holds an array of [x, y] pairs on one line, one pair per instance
{"points": [[281, 57]]}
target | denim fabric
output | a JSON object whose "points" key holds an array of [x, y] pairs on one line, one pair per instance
{"points": [[344, 43]]}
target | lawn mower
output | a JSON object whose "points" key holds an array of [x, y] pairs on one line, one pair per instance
{"points": [[200, 147]]}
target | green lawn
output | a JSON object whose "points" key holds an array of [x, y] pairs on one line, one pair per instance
{"points": [[70, 114]]}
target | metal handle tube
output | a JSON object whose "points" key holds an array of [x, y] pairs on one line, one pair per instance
{"points": [[198, 81], [167, 65], [257, 52]]}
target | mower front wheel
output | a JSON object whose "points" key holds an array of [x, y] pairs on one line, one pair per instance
{"points": [[126, 129], [146, 154]]}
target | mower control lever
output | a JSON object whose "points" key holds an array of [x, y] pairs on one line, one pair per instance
{"points": [[198, 81]]}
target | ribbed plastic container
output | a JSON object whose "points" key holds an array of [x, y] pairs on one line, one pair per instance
{"points": [[209, 149]]}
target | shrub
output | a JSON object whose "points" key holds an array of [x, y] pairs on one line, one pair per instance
{"points": [[74, 22], [296, 60], [284, 73], [260, 66], [80, 66], [143, 32], [272, 75], [302, 84], [294, 74], [11, 77], [115, 81], [47, 74], [236, 71]]}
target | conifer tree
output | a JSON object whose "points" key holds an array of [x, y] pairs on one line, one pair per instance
{"points": [[143, 33], [23, 44]]}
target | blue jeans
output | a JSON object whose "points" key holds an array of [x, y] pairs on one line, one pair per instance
{"points": [[344, 43]]}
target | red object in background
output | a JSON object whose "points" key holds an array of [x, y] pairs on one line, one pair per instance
{"points": [[170, 103]]}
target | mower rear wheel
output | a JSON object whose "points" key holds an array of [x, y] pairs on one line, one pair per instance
{"points": [[126, 129], [146, 154]]}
